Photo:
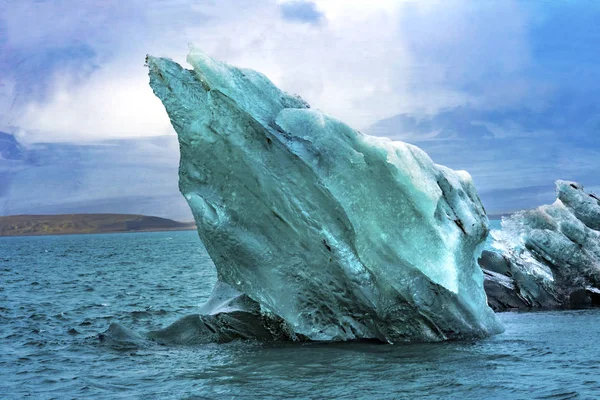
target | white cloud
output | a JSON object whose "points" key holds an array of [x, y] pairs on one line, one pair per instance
{"points": [[360, 64], [111, 103]]}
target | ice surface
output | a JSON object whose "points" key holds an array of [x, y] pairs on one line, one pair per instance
{"points": [[551, 254], [226, 316], [118, 336], [340, 235]]}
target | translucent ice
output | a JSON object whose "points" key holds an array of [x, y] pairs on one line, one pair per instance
{"points": [[226, 316], [339, 235], [548, 257]]}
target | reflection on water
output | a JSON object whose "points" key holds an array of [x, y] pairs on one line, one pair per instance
{"points": [[57, 293]]}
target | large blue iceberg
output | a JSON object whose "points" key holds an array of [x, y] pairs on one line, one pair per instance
{"points": [[332, 234]]}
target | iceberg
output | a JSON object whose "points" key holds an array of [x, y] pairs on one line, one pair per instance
{"points": [[548, 257], [330, 234], [226, 316]]}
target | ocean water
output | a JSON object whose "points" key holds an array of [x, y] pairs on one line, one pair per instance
{"points": [[58, 292]]}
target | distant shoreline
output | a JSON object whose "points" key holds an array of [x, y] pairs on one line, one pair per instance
{"points": [[97, 233], [80, 224]]}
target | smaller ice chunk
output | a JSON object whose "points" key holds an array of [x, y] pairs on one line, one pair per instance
{"points": [[227, 315], [551, 253], [118, 336]]}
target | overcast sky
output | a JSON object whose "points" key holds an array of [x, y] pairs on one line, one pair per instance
{"points": [[73, 70], [526, 72]]}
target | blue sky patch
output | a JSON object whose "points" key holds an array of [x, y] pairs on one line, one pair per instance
{"points": [[301, 11]]}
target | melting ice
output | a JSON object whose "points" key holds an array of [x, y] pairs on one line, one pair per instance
{"points": [[328, 234]]}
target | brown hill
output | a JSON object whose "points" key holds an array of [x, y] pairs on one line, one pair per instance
{"points": [[25, 225]]}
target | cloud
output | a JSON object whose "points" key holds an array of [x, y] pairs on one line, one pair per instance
{"points": [[73, 71], [525, 71], [301, 11], [111, 103], [363, 61], [121, 176], [44, 37]]}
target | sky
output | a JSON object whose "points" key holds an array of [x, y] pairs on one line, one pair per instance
{"points": [[527, 71]]}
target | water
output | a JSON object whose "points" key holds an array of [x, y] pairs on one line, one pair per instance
{"points": [[58, 292]]}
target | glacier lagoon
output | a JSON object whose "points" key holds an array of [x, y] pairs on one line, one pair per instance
{"points": [[317, 231], [58, 292], [51, 347]]}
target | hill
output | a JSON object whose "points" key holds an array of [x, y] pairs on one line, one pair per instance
{"points": [[26, 225]]}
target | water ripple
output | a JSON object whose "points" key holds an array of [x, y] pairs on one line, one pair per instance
{"points": [[58, 293]]}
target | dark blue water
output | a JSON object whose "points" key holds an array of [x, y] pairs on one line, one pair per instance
{"points": [[58, 292]]}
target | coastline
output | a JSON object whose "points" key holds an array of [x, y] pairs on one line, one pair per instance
{"points": [[82, 224]]}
